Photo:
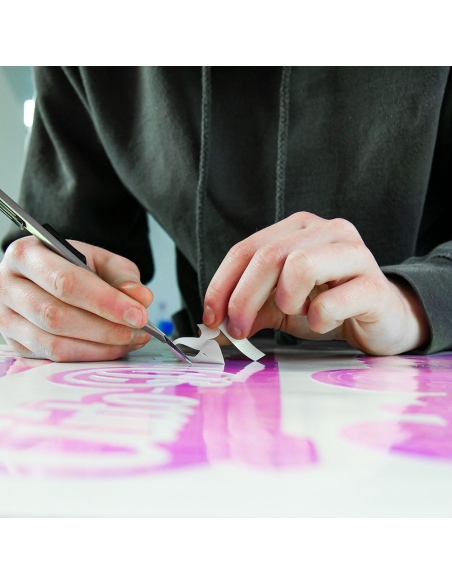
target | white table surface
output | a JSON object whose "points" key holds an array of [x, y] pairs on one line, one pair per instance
{"points": [[307, 433]]}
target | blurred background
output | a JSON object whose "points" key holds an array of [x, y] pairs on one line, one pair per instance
{"points": [[16, 119]]}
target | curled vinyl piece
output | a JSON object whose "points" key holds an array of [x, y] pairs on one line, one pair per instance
{"points": [[209, 349], [243, 345]]}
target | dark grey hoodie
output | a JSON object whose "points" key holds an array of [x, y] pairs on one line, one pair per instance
{"points": [[372, 145]]}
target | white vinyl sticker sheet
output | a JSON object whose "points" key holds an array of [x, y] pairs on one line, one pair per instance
{"points": [[303, 432], [243, 345], [209, 350]]}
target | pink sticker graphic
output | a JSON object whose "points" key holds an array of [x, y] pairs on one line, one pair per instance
{"points": [[5, 365], [117, 421], [423, 428], [10, 363]]}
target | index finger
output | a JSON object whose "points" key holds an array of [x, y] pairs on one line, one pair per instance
{"points": [[116, 270], [238, 258], [74, 285]]}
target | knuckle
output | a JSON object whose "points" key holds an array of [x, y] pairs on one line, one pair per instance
{"points": [[17, 250], [52, 317], [54, 349], [241, 251], [268, 256], [301, 218], [62, 284], [344, 227], [320, 314], [302, 264], [214, 292]]}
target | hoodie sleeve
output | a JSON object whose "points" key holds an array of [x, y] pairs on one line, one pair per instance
{"points": [[69, 181], [430, 276]]}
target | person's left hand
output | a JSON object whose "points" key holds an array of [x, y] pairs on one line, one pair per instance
{"points": [[315, 279]]}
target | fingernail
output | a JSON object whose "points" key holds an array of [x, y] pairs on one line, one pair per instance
{"points": [[234, 332], [139, 336], [208, 317], [133, 317], [128, 284]]}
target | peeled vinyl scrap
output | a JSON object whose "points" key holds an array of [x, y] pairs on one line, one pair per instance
{"points": [[209, 349]]}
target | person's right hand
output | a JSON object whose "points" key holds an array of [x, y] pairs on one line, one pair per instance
{"points": [[52, 309]]}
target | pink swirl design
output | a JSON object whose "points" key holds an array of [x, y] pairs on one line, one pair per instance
{"points": [[428, 379], [118, 421]]}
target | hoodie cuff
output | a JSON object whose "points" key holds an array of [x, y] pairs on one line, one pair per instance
{"points": [[431, 280]]}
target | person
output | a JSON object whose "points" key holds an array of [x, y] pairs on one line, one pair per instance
{"points": [[309, 200]]}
